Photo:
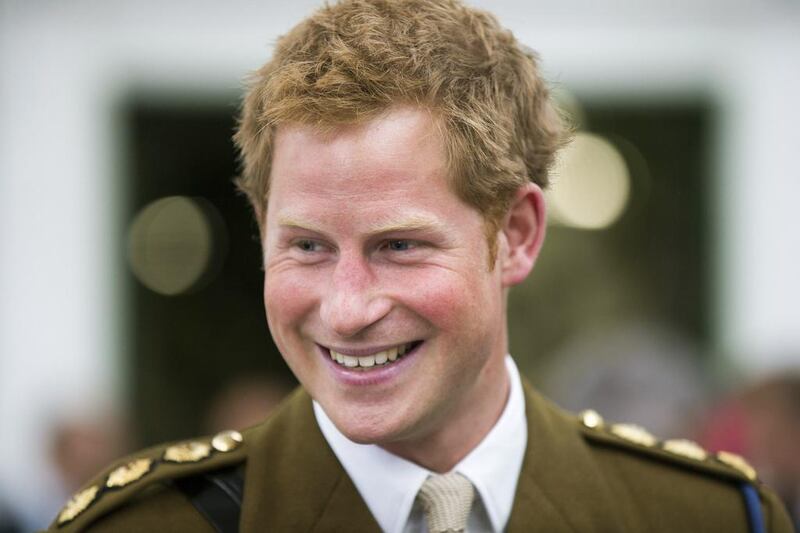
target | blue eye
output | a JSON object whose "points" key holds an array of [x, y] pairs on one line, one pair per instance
{"points": [[307, 245], [399, 245]]}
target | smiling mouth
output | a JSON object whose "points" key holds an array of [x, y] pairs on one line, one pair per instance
{"points": [[378, 359]]}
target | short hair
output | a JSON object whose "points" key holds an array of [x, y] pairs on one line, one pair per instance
{"points": [[351, 61]]}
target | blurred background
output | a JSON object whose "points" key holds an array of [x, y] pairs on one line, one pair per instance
{"points": [[130, 281]]}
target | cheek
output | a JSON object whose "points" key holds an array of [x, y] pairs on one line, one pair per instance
{"points": [[450, 301], [288, 298]]}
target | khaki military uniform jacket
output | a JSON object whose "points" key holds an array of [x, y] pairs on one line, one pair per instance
{"points": [[578, 475]]}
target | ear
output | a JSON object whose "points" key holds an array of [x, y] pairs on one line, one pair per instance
{"points": [[522, 234]]}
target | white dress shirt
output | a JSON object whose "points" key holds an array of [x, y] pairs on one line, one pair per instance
{"points": [[389, 484]]}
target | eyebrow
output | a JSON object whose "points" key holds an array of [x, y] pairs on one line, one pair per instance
{"points": [[406, 224]]}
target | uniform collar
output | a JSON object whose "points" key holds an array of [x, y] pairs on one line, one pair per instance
{"points": [[389, 484]]}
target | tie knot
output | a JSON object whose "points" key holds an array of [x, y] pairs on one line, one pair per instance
{"points": [[447, 499]]}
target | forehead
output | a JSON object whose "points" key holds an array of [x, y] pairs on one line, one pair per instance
{"points": [[403, 144], [389, 171]]}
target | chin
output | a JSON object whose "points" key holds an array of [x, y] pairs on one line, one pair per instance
{"points": [[370, 429], [360, 436]]}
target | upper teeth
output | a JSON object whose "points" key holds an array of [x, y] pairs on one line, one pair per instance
{"points": [[367, 361]]}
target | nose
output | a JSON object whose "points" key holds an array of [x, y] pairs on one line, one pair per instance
{"points": [[353, 301]]}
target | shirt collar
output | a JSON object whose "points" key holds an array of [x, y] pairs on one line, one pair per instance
{"points": [[389, 484]]}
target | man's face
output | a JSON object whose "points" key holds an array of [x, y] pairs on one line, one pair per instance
{"points": [[371, 259]]}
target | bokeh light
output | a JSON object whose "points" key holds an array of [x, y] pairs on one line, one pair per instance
{"points": [[591, 184], [176, 244]]}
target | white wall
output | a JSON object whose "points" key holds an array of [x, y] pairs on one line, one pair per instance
{"points": [[65, 65]]}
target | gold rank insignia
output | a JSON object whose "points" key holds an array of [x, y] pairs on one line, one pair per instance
{"points": [[77, 504], [129, 473], [591, 419], [634, 433], [685, 448], [739, 463], [226, 441], [187, 452]]}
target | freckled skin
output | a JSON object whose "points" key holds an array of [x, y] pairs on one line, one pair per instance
{"points": [[331, 281]]}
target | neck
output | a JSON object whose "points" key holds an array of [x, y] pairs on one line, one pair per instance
{"points": [[465, 425]]}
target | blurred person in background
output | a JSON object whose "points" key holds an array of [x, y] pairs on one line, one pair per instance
{"points": [[641, 371], [395, 154], [81, 446], [9, 522], [761, 421], [245, 401], [773, 411]]}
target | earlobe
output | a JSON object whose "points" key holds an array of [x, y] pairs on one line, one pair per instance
{"points": [[523, 231]]}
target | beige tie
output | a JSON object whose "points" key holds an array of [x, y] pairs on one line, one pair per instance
{"points": [[447, 499]]}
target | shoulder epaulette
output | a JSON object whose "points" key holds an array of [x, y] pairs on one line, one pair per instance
{"points": [[681, 452], [133, 474]]}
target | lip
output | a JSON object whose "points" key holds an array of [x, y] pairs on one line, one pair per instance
{"points": [[380, 375]]}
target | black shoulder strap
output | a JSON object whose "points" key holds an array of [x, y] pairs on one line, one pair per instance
{"points": [[217, 496]]}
